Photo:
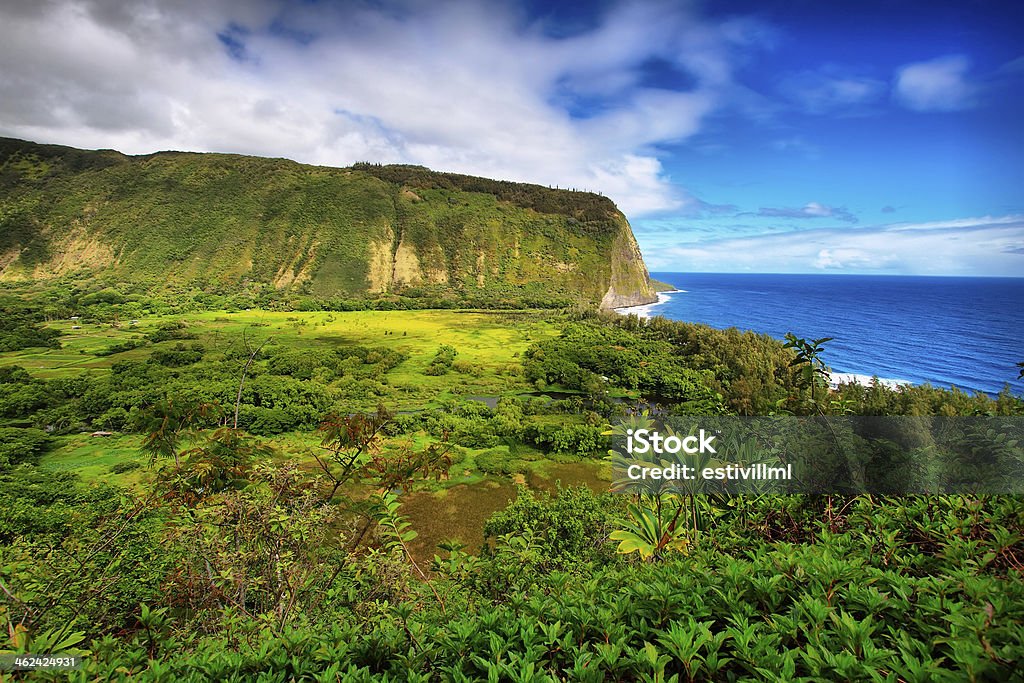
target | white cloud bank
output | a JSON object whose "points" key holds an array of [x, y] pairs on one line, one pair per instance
{"points": [[986, 245], [454, 85]]}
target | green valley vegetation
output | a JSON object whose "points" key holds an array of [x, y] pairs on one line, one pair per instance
{"points": [[423, 495], [230, 451], [313, 236]]}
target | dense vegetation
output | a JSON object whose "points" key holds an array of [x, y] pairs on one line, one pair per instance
{"points": [[314, 237], [20, 327], [269, 494], [592, 211]]}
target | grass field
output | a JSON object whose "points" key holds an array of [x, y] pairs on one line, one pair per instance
{"points": [[489, 340], [95, 457], [489, 345]]}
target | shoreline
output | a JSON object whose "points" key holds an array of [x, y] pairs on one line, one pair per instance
{"points": [[643, 310], [836, 378]]}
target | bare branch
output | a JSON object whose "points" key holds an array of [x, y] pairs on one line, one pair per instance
{"points": [[252, 356]]}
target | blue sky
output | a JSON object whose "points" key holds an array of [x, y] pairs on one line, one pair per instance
{"points": [[882, 130], [797, 136]]}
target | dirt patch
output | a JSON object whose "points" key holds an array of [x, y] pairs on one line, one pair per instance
{"points": [[481, 265], [8, 257], [381, 266], [297, 268], [407, 265], [457, 513], [593, 475], [75, 253]]}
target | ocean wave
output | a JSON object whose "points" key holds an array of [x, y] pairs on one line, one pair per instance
{"points": [[854, 378], [644, 311]]}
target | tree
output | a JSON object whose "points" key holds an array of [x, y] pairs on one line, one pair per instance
{"points": [[267, 550], [221, 462], [808, 358], [253, 352], [169, 423], [352, 456], [346, 438]]}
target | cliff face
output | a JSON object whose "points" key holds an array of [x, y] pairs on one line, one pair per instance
{"points": [[630, 282], [223, 221]]}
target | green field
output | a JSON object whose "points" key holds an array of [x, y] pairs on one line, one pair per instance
{"points": [[474, 536], [491, 339], [489, 344]]}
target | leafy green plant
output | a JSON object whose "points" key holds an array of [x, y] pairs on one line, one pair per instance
{"points": [[170, 423], [570, 528], [669, 516], [58, 641], [813, 371], [268, 551], [651, 531]]}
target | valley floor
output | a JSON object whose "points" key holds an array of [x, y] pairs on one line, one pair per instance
{"points": [[423, 495]]}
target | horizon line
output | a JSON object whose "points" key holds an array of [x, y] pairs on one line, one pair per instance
{"points": [[833, 274]]}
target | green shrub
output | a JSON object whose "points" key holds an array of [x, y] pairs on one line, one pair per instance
{"points": [[499, 461], [21, 446], [442, 362], [571, 527], [124, 466]]}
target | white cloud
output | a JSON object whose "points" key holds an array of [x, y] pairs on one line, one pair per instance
{"points": [[817, 210], [960, 223], [937, 85], [454, 85], [968, 246], [831, 91], [847, 258], [809, 210]]}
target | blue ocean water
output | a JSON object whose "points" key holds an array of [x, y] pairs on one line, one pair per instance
{"points": [[946, 331]]}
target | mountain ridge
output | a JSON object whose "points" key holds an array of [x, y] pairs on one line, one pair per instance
{"points": [[227, 221]]}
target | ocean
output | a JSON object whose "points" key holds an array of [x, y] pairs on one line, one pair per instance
{"points": [[945, 331]]}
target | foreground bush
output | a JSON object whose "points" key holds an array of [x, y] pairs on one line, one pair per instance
{"points": [[924, 589]]}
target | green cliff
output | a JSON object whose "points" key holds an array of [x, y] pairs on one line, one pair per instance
{"points": [[225, 221]]}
